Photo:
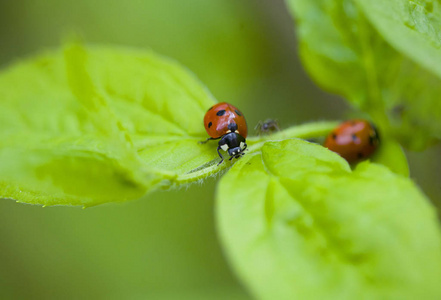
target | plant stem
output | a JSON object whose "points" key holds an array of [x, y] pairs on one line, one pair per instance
{"points": [[305, 131]]}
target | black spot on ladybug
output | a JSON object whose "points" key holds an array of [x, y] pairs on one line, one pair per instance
{"points": [[209, 124], [354, 137], [360, 155], [221, 112], [334, 136], [372, 139], [238, 113], [232, 126]]}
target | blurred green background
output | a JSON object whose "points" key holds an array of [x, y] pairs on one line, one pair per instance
{"points": [[163, 246]]}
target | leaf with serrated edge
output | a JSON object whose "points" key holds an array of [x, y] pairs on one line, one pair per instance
{"points": [[296, 222], [88, 126]]}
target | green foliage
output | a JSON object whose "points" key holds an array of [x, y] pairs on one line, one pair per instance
{"points": [[295, 220], [391, 155], [86, 126], [383, 56], [412, 27], [83, 127]]}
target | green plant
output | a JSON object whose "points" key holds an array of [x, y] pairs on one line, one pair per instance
{"points": [[86, 126]]}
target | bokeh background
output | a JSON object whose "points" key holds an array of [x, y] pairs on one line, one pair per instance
{"points": [[165, 245]]}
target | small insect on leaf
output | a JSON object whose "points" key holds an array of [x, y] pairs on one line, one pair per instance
{"points": [[224, 121]]}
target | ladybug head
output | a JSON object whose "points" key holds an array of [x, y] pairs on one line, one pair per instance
{"points": [[233, 143], [237, 151]]}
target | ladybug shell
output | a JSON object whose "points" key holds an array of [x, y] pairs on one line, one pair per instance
{"points": [[222, 118], [354, 140]]}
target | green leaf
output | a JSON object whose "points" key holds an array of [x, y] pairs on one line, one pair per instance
{"points": [[84, 127], [412, 27], [297, 222], [383, 56], [391, 155]]}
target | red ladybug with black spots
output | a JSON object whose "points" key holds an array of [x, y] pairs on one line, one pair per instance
{"points": [[225, 122], [354, 140]]}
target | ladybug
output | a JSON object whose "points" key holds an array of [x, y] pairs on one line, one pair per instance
{"points": [[354, 140], [267, 127], [225, 122]]}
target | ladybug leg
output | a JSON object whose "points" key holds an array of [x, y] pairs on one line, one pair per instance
{"points": [[220, 155], [209, 139], [243, 150]]}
